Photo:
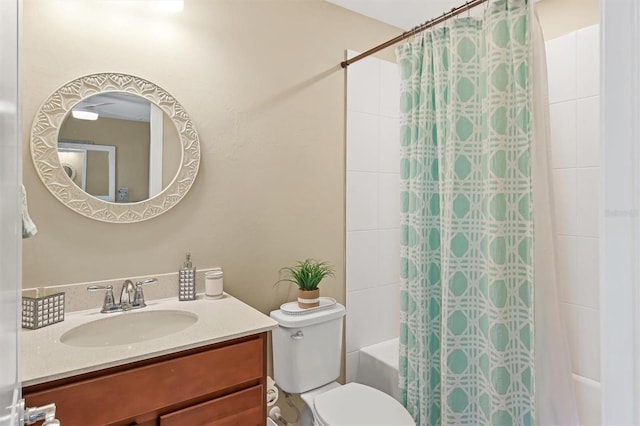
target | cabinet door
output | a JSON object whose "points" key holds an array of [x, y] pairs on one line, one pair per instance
{"points": [[122, 397], [242, 408]]}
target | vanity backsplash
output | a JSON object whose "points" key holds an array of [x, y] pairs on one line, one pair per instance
{"points": [[77, 298]]}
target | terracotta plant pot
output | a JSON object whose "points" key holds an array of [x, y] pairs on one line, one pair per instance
{"points": [[308, 298]]}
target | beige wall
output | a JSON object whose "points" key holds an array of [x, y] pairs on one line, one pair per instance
{"points": [[262, 84], [558, 17]]}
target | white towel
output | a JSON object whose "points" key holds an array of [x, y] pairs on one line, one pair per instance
{"points": [[28, 227]]}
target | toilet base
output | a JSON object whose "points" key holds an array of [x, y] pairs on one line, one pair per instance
{"points": [[306, 417]]}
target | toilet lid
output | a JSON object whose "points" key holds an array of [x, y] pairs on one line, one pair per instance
{"points": [[358, 405]]}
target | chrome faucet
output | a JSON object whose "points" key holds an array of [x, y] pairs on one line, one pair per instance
{"points": [[131, 296], [127, 295]]}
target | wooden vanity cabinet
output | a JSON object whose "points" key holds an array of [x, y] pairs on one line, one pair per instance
{"points": [[221, 384]]}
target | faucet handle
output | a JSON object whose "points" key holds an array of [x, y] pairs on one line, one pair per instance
{"points": [[138, 299], [109, 304], [100, 287], [149, 281]]}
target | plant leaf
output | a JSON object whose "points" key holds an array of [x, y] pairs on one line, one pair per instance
{"points": [[307, 274]]}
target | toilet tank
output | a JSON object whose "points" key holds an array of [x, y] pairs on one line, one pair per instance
{"points": [[307, 348]]}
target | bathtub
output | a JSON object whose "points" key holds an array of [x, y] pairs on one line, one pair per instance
{"points": [[378, 367]]}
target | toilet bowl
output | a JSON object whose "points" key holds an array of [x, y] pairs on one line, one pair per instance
{"points": [[306, 361]]}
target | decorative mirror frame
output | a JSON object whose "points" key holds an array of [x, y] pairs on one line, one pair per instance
{"points": [[44, 148]]}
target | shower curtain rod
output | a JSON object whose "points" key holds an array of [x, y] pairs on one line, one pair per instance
{"points": [[445, 16]]}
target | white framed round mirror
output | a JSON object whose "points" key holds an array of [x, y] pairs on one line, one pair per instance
{"points": [[134, 149]]}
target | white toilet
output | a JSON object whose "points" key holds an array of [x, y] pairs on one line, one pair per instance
{"points": [[306, 361]]}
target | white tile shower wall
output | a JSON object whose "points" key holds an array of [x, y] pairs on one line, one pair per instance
{"points": [[373, 206], [573, 67]]}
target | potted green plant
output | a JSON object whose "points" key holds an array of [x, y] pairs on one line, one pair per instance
{"points": [[307, 274]]}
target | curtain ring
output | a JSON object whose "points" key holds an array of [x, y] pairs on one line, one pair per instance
{"points": [[464, 7]]}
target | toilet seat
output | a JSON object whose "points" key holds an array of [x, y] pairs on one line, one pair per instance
{"points": [[355, 404]]}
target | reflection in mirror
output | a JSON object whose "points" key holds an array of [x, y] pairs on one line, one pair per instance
{"points": [[70, 170], [68, 128], [97, 165], [145, 139]]}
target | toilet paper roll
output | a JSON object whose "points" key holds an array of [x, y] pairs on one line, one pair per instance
{"points": [[272, 392]]}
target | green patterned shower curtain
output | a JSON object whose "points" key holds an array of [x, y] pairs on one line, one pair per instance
{"points": [[466, 337]]}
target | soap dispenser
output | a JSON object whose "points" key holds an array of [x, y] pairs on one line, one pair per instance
{"points": [[187, 280]]}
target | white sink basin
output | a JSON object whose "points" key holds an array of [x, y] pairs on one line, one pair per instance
{"points": [[128, 328]]}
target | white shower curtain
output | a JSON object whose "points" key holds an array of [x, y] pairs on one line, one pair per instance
{"points": [[555, 396]]}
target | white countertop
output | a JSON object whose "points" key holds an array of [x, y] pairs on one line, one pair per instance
{"points": [[45, 358]]}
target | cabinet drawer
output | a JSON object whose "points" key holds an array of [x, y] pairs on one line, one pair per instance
{"points": [[123, 396], [242, 408]]}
